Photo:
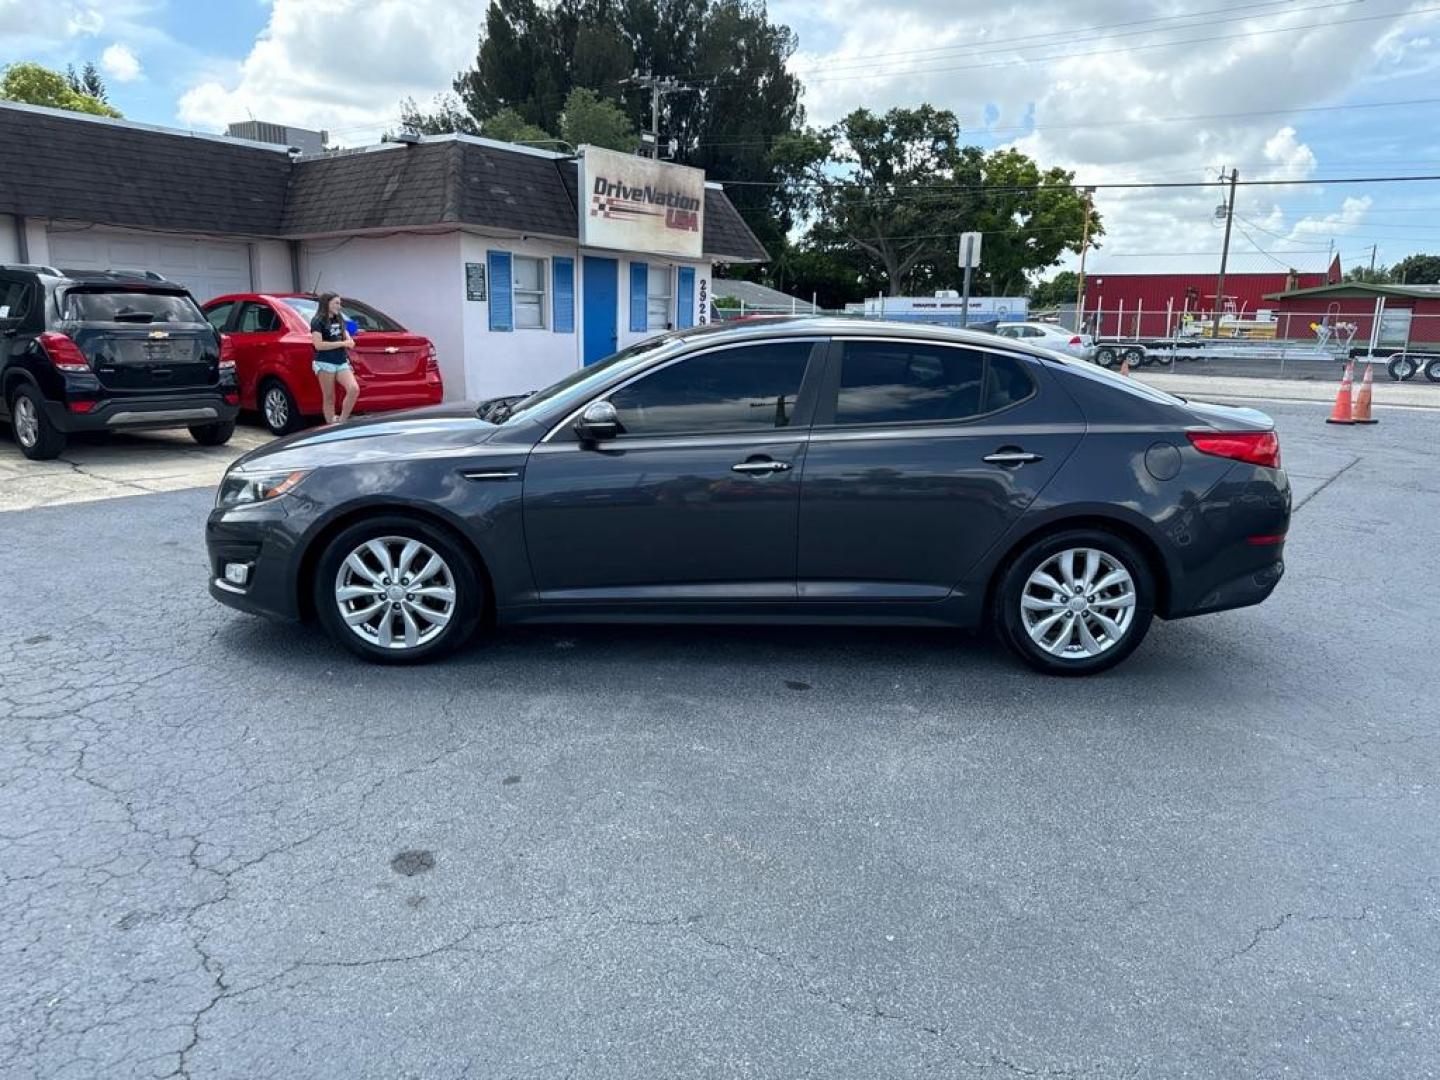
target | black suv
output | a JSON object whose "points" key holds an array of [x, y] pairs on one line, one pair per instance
{"points": [[85, 350]]}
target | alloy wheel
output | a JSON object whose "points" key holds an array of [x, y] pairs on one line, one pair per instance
{"points": [[1078, 603], [277, 409], [27, 421], [395, 592]]}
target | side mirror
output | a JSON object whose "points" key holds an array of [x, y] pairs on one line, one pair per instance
{"points": [[598, 421]]}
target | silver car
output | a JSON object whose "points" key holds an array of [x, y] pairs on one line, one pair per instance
{"points": [[1050, 336]]}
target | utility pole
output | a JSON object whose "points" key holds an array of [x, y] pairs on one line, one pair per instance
{"points": [[659, 86], [1373, 249], [1224, 254], [1080, 278]]}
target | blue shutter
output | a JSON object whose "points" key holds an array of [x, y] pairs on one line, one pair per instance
{"points": [[563, 274], [502, 311], [685, 300], [639, 296]]}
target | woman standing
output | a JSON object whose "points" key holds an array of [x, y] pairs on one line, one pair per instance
{"points": [[329, 336]]}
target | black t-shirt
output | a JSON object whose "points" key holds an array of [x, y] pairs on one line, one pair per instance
{"points": [[331, 329]]}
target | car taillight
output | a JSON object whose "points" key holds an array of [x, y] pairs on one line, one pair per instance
{"points": [[227, 354], [63, 352], [432, 363], [1075, 340], [1252, 447]]}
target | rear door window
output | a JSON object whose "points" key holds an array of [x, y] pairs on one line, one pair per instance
{"points": [[897, 382], [90, 305], [14, 300]]}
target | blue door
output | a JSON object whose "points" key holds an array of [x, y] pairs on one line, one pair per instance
{"points": [[601, 308]]}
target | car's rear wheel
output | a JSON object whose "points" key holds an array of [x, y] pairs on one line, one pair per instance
{"points": [[277, 407], [39, 438], [397, 590], [217, 434], [1075, 602]]}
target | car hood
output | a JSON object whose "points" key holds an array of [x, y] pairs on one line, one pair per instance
{"points": [[435, 430]]}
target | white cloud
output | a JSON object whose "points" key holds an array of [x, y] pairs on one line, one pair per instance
{"points": [[1102, 101], [120, 63], [341, 65]]}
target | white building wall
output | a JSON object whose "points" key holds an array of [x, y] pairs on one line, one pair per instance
{"points": [[418, 279], [9, 245], [270, 266], [512, 362]]}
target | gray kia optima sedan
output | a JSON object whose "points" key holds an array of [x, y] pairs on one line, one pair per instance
{"points": [[797, 470]]}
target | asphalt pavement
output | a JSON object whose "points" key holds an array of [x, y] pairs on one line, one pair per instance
{"points": [[227, 849]]}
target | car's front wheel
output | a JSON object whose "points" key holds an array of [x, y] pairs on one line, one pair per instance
{"points": [[397, 590], [1075, 602]]}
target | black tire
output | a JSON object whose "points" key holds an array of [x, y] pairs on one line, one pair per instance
{"points": [[1011, 584], [1105, 356], [41, 440], [1401, 367], [461, 572], [216, 434], [278, 411], [1136, 357], [1432, 371]]}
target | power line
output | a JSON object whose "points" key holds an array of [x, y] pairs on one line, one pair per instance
{"points": [[1115, 185]]}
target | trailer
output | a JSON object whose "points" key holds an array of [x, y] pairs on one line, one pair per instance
{"points": [[1111, 352]]}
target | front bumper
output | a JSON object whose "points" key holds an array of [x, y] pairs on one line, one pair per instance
{"points": [[265, 540], [132, 414]]}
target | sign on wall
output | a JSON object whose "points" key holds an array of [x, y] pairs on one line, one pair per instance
{"points": [[474, 281], [631, 203]]}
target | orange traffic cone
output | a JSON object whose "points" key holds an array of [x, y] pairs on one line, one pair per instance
{"points": [[1341, 413], [1125, 366], [1362, 400]]}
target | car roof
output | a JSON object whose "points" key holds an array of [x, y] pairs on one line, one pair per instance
{"points": [[140, 278], [840, 326]]}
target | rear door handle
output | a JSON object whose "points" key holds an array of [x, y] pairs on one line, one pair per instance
{"points": [[760, 467], [1012, 457]]}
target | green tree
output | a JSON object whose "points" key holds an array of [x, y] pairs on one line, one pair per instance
{"points": [[1060, 289], [1363, 275], [902, 187], [590, 119], [447, 114], [734, 96], [508, 125], [1416, 270], [87, 81], [35, 85]]}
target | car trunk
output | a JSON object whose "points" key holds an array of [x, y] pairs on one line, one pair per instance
{"points": [[1230, 417], [383, 354], [141, 357], [140, 339]]}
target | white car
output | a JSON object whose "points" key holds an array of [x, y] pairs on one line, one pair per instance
{"points": [[1050, 336]]}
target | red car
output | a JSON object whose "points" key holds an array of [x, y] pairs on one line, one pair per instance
{"points": [[269, 337]]}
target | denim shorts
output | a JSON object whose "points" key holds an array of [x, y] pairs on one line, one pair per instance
{"points": [[327, 368]]}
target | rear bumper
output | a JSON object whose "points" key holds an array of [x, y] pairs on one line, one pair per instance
{"points": [[129, 414], [382, 396]]}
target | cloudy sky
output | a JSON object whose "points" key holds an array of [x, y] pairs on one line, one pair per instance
{"points": [[1118, 90]]}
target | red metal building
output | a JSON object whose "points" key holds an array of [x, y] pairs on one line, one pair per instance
{"points": [[1409, 314], [1130, 304]]}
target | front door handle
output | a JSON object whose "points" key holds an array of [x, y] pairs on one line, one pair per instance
{"points": [[1008, 456], [760, 467]]}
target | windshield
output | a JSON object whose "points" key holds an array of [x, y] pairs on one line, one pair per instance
{"points": [[365, 318], [140, 307], [578, 384]]}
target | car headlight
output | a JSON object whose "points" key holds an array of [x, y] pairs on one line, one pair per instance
{"points": [[240, 489]]}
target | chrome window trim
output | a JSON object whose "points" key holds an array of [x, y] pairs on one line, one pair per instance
{"points": [[812, 340]]}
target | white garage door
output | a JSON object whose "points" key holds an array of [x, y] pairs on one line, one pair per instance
{"points": [[206, 267]]}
